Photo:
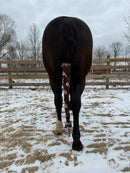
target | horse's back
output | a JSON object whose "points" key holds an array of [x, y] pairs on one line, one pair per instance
{"points": [[67, 40]]}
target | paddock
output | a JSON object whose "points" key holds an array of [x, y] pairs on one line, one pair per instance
{"points": [[28, 144]]}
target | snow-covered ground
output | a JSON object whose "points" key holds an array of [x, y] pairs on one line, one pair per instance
{"points": [[28, 144]]}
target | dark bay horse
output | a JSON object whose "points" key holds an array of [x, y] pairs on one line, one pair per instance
{"points": [[67, 49]]}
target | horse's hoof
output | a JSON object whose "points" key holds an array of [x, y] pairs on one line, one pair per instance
{"points": [[59, 128], [77, 146]]}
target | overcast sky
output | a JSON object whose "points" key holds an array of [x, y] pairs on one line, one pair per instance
{"points": [[104, 17]]}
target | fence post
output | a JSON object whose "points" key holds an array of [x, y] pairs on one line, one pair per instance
{"points": [[107, 72], [9, 74]]}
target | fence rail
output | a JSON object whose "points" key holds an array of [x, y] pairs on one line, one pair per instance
{"points": [[40, 62], [101, 73]]}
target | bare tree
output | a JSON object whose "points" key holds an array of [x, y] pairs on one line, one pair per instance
{"points": [[127, 53], [33, 43], [100, 52], [21, 50], [117, 48], [127, 33], [7, 32], [11, 49]]}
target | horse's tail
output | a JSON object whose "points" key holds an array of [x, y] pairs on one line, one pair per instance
{"points": [[66, 86], [67, 49]]}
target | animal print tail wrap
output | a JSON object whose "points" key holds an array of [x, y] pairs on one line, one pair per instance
{"points": [[66, 67]]}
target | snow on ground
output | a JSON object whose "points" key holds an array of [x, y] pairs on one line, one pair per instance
{"points": [[28, 144]]}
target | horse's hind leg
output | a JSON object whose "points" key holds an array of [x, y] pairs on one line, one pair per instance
{"points": [[56, 86], [77, 89]]}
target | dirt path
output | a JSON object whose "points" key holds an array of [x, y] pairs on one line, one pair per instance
{"points": [[27, 142]]}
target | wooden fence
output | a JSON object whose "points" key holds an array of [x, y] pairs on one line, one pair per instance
{"points": [[103, 72]]}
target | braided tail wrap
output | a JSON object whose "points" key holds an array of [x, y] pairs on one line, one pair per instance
{"points": [[66, 68]]}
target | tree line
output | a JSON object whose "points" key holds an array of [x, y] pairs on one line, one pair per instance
{"points": [[30, 48], [10, 47]]}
